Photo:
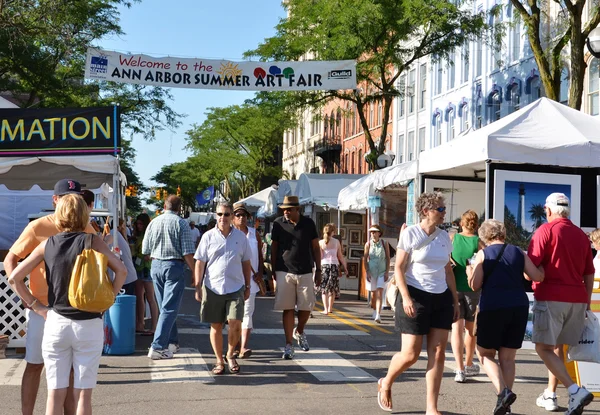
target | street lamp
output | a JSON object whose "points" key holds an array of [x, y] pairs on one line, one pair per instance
{"points": [[593, 42], [386, 159]]}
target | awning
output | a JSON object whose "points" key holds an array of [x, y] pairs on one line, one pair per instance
{"points": [[355, 196], [259, 199], [323, 189], [285, 188]]}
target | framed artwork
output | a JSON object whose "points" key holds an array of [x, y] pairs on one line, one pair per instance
{"points": [[356, 253], [355, 236], [519, 199], [350, 218], [352, 269], [343, 234], [345, 250]]}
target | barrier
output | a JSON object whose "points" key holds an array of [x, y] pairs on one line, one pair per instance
{"points": [[13, 321]]}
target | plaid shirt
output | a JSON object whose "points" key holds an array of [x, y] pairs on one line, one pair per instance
{"points": [[168, 237]]}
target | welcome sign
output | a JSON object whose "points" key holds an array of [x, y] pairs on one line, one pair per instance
{"points": [[59, 131], [220, 74]]}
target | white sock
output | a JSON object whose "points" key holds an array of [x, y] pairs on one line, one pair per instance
{"points": [[573, 388], [549, 394]]}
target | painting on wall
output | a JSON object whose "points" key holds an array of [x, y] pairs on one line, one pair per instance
{"points": [[350, 218], [352, 269], [355, 236], [356, 253], [343, 234]]}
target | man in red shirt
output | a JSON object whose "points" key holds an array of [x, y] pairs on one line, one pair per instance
{"points": [[561, 300]]}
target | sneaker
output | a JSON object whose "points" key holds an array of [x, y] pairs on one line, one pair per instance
{"points": [[374, 314], [578, 400], [508, 411], [549, 404], [173, 348], [159, 354], [377, 319], [288, 352], [459, 376], [301, 339], [472, 370], [505, 399]]}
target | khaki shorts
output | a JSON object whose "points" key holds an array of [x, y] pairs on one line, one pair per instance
{"points": [[217, 308], [557, 323], [294, 290]]}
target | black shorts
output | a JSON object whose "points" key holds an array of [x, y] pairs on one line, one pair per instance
{"points": [[432, 311], [467, 303], [503, 328]]}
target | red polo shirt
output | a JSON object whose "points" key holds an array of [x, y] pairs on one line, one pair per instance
{"points": [[564, 251]]}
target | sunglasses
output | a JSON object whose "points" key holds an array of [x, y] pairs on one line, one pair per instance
{"points": [[240, 215], [227, 214], [441, 209]]}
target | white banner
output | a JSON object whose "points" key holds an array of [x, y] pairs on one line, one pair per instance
{"points": [[220, 74]]}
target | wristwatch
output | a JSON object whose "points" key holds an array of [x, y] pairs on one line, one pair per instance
{"points": [[248, 287]]}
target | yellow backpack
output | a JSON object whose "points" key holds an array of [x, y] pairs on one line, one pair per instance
{"points": [[90, 289]]}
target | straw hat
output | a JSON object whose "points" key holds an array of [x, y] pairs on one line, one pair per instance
{"points": [[290, 202], [240, 206]]}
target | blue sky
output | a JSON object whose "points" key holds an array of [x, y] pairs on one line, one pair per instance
{"points": [[191, 29], [535, 193]]}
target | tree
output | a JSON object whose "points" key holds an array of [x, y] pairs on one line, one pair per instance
{"points": [[537, 213], [385, 37], [548, 46]]}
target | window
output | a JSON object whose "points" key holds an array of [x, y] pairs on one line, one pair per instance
{"points": [[450, 125], [422, 85], [465, 63], [346, 162], [371, 115], [380, 112], [352, 161], [564, 86], [411, 146], [494, 105], [478, 56], [496, 47], [353, 122], [515, 99], [411, 90], [479, 113], [515, 36], [359, 161], [332, 128], [451, 70], [438, 79], [536, 89], [593, 86], [438, 131], [464, 119], [401, 148], [402, 98], [421, 140]]}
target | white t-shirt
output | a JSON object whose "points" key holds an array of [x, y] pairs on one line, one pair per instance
{"points": [[426, 268], [195, 232]]}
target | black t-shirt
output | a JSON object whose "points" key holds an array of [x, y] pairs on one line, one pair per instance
{"points": [[59, 256], [294, 251]]}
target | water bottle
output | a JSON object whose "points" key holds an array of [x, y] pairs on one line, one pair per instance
{"points": [[471, 261]]}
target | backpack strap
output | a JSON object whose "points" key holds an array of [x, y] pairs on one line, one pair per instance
{"points": [[89, 238]]}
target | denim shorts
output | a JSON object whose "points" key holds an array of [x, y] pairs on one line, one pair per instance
{"points": [[144, 275]]}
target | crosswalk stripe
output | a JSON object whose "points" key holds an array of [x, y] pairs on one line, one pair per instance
{"points": [[187, 366], [11, 371], [314, 332], [328, 366]]}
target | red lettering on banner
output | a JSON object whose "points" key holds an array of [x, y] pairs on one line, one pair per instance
{"points": [[201, 67], [133, 61]]}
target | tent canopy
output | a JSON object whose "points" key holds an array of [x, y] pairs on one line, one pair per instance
{"points": [[259, 199], [285, 188], [323, 189], [544, 132], [355, 196]]}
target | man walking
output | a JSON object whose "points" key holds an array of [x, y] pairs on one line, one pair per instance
{"points": [[561, 300], [225, 254], [294, 250], [168, 242], [34, 234]]}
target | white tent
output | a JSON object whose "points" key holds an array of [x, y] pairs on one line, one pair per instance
{"points": [[355, 196], [323, 189], [544, 132], [4, 103], [285, 188], [259, 199]]}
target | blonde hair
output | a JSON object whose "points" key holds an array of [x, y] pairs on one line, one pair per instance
{"points": [[492, 230], [469, 220], [328, 230], [595, 235], [71, 213]]}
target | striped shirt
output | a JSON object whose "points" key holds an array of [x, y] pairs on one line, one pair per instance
{"points": [[168, 237]]}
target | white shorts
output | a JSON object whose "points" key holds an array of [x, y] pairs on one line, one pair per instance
{"points": [[248, 312], [33, 340], [374, 285], [73, 344]]}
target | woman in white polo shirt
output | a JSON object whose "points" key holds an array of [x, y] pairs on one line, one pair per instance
{"points": [[427, 303]]}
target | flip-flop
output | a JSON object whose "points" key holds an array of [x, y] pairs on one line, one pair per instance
{"points": [[379, 390], [247, 353]]}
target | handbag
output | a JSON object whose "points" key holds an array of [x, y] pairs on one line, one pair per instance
{"points": [[262, 288], [89, 288], [587, 350], [496, 262]]}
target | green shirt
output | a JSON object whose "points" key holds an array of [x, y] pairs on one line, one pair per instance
{"points": [[463, 248]]}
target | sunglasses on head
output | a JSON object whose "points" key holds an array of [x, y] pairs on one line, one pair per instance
{"points": [[226, 214], [441, 209]]}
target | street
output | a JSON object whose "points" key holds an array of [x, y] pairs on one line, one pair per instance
{"points": [[338, 375]]}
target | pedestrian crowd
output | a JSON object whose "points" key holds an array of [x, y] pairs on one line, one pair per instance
{"points": [[471, 281]]}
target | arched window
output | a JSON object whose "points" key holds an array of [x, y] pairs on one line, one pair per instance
{"points": [[515, 98], [593, 86], [450, 126], [346, 162], [380, 112], [360, 161], [352, 162], [332, 125], [479, 113], [495, 105], [464, 117], [438, 131], [325, 126]]}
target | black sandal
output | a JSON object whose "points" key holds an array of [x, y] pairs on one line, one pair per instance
{"points": [[232, 365], [218, 369]]}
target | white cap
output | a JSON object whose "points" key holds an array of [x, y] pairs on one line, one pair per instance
{"points": [[557, 199]]}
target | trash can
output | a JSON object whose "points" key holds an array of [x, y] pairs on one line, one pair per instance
{"points": [[119, 326]]}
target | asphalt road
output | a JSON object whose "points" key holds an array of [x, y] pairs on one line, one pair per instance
{"points": [[338, 375]]}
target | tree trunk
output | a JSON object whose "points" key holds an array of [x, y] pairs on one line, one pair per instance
{"points": [[578, 65]]}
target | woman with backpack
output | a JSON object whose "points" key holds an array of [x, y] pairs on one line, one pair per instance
{"points": [[72, 338], [377, 265]]}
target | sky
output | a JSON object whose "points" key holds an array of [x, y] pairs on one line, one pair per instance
{"points": [[535, 193], [191, 29]]}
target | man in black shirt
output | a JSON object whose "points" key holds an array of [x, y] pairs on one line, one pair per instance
{"points": [[294, 249]]}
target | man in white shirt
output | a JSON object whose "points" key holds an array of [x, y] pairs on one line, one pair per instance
{"points": [[195, 233], [225, 254]]}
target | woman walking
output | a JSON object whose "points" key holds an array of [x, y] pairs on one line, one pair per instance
{"points": [[73, 339], [427, 304], [503, 307], [377, 261], [464, 245], [144, 289], [331, 259]]}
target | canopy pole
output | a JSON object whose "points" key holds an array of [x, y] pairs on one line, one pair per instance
{"points": [[116, 182], [487, 190], [339, 222]]}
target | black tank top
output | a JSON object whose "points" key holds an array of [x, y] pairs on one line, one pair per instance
{"points": [[60, 255]]}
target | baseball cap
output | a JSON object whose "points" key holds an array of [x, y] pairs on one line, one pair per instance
{"points": [[557, 199], [66, 186]]}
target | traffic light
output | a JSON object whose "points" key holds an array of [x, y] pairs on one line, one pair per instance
{"points": [[158, 194], [134, 191], [178, 191], [128, 191]]}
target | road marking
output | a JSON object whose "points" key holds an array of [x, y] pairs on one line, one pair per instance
{"points": [[187, 366], [328, 366], [347, 322], [11, 371], [270, 332], [364, 322]]}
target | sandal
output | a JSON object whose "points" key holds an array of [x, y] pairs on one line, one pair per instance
{"points": [[232, 365], [218, 369], [380, 391], [246, 354]]}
